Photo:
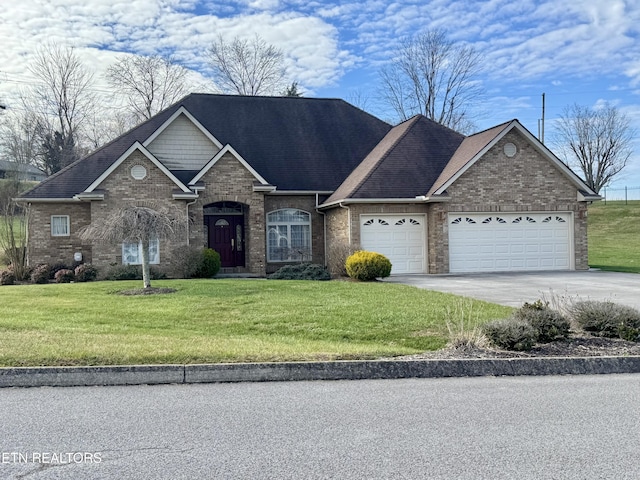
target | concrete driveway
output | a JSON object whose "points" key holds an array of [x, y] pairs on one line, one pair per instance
{"points": [[514, 289]]}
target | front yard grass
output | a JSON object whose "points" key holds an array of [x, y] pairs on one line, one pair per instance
{"points": [[208, 321], [614, 236]]}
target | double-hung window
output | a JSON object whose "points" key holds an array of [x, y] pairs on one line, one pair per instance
{"points": [[288, 235], [59, 225], [132, 252]]}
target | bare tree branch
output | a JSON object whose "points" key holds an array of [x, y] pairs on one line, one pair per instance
{"points": [[597, 141], [246, 67], [435, 77], [138, 224], [149, 84]]}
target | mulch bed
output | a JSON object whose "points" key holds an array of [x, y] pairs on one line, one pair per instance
{"points": [[148, 291]]}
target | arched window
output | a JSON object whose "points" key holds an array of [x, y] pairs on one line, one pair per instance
{"points": [[288, 235]]}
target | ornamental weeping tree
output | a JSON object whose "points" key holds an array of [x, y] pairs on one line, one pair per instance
{"points": [[139, 224]]}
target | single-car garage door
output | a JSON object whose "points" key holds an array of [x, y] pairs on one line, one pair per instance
{"points": [[401, 238], [510, 242]]}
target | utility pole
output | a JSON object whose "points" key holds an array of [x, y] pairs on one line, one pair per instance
{"points": [[542, 127]]}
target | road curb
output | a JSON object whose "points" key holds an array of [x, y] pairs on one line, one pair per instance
{"points": [[298, 371]]}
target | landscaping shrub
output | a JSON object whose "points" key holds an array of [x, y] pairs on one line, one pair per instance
{"points": [[511, 334], [607, 319], [210, 264], [7, 277], [85, 272], [132, 272], [338, 254], [549, 324], [188, 260], [64, 276], [55, 268], [301, 271], [367, 266], [40, 273]]}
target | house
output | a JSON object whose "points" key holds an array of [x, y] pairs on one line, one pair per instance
{"points": [[268, 181], [21, 171]]}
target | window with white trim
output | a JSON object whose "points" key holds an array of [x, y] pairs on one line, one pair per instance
{"points": [[59, 225], [288, 235], [132, 253]]}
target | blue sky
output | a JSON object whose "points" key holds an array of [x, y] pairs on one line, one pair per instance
{"points": [[586, 51]]}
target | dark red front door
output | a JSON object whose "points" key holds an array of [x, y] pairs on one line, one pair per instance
{"points": [[226, 236]]}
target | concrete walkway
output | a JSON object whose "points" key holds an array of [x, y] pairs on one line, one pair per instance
{"points": [[514, 289]]}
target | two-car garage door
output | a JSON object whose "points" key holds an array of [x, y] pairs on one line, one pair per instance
{"points": [[510, 242], [477, 242]]}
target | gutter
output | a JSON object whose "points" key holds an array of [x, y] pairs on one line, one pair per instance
{"points": [[418, 199]]}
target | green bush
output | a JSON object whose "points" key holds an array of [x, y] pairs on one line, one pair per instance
{"points": [[132, 272], [367, 266], [7, 277], [301, 271], [64, 275], [511, 334], [549, 324], [40, 273], [607, 319], [85, 272], [210, 264]]}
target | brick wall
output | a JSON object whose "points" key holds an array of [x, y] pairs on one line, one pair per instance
{"points": [[229, 180], [497, 183], [122, 190], [45, 248]]}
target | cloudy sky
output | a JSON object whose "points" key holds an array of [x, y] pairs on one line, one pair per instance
{"points": [[585, 51]]}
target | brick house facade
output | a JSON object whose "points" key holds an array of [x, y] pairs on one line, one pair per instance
{"points": [[268, 181]]}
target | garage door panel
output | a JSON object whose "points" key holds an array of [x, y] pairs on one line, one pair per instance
{"points": [[532, 241], [401, 238]]}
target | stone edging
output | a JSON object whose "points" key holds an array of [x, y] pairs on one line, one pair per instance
{"points": [[297, 371]]}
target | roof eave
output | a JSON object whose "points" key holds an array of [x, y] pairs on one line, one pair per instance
{"points": [[414, 200]]}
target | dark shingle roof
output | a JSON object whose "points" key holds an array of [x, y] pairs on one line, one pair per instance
{"points": [[293, 143], [405, 163]]}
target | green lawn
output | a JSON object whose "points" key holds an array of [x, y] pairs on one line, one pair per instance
{"points": [[224, 321], [614, 236]]}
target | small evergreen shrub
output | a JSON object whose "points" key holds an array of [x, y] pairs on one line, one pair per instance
{"points": [[40, 273], [549, 324], [367, 266], [607, 319], [64, 276], [511, 334], [301, 271], [210, 264], [85, 272], [7, 277]]}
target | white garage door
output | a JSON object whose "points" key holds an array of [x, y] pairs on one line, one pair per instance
{"points": [[401, 238], [510, 242]]}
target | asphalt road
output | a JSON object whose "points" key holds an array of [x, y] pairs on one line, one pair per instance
{"points": [[573, 427], [514, 289]]}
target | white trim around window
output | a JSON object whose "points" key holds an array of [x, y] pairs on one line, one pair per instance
{"points": [[132, 253], [60, 226], [288, 235]]}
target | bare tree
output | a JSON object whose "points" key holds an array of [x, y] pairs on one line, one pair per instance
{"points": [[149, 84], [61, 99], [595, 140], [433, 76], [20, 138], [246, 67], [13, 226], [140, 224]]}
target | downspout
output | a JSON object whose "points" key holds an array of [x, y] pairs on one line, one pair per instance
{"points": [[348, 209], [187, 205], [324, 229]]}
